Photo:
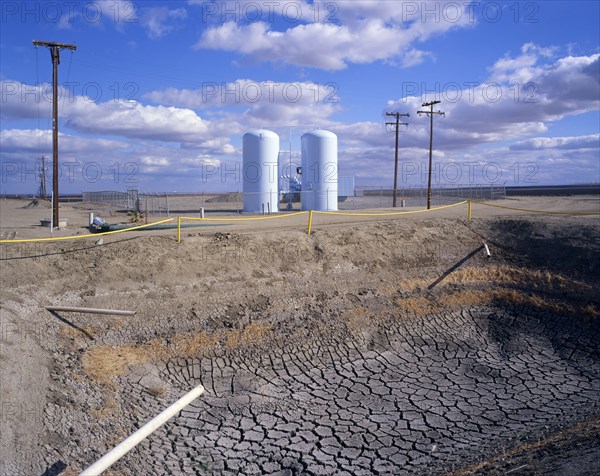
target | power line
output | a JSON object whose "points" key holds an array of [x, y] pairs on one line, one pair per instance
{"points": [[62, 107], [430, 113], [397, 124]]}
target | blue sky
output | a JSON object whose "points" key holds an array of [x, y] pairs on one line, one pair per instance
{"points": [[159, 93]]}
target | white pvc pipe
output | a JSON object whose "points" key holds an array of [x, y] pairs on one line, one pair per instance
{"points": [[90, 310], [52, 215], [487, 250], [132, 441]]}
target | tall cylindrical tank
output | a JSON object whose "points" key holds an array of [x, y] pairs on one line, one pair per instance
{"points": [[260, 171], [319, 171]]}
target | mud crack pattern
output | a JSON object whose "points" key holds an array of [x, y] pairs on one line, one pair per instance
{"points": [[423, 395]]}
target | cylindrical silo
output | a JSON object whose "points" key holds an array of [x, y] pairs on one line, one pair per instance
{"points": [[319, 171], [260, 171]]}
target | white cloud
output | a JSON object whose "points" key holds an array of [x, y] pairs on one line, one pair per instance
{"points": [[24, 101], [40, 142], [184, 131], [118, 118], [414, 57], [132, 119], [333, 35], [260, 102], [503, 108], [479, 128], [99, 13], [160, 21], [559, 143]]}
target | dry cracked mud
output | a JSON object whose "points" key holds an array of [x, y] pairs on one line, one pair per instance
{"points": [[388, 348]]}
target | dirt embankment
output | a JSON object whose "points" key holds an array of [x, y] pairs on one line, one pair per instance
{"points": [[382, 348]]}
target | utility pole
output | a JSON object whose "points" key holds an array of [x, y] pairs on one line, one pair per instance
{"points": [[42, 191], [430, 113], [397, 124], [55, 56]]}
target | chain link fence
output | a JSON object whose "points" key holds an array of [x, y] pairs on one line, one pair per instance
{"points": [[383, 197], [364, 197]]}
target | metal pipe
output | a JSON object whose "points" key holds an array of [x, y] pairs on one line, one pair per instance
{"points": [[52, 216], [133, 440], [90, 310]]}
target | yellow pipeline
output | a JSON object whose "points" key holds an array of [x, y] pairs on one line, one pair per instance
{"points": [[391, 213], [272, 217], [310, 217], [92, 235], [540, 211]]}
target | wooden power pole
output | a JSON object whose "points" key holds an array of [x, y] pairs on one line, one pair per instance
{"points": [[430, 113], [396, 124], [55, 56]]}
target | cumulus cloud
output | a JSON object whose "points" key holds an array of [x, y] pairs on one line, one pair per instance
{"points": [[25, 101], [480, 125], [331, 35], [260, 102], [180, 132], [505, 108], [117, 117], [132, 119], [160, 21], [40, 142], [99, 13], [559, 143]]}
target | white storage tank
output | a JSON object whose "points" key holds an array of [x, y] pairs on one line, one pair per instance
{"points": [[260, 171], [319, 171]]}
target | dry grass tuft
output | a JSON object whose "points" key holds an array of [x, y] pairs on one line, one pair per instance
{"points": [[502, 275], [469, 298], [411, 284], [104, 363], [256, 333], [196, 344], [356, 319], [422, 305], [418, 305], [581, 430], [253, 334], [538, 280]]}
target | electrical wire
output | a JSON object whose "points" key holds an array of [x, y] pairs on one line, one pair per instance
{"points": [[62, 107]]}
